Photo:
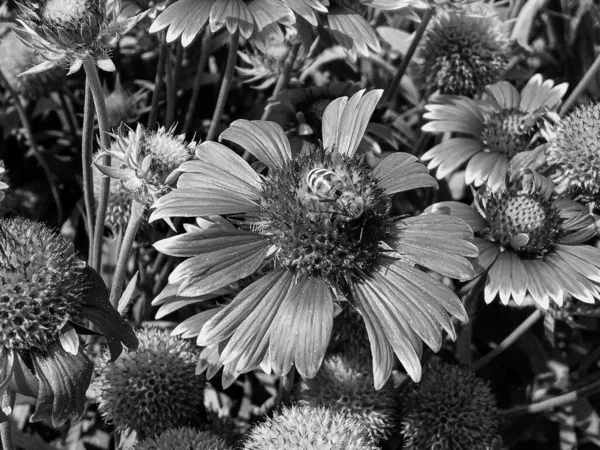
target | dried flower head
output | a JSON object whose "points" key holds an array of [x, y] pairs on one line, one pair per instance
{"points": [[67, 32], [154, 388], [309, 427], [450, 409], [183, 438], [44, 291], [123, 106]]}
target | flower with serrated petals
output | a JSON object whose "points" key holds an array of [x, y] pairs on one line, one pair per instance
{"points": [[320, 230], [46, 294], [67, 32], [493, 130], [309, 428], [532, 243], [183, 438], [154, 388], [147, 161]]}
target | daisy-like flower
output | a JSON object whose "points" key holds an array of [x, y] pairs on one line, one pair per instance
{"points": [[493, 130], [321, 224], [463, 51], [46, 294], [3, 185], [531, 243], [574, 154], [183, 438], [66, 32]]}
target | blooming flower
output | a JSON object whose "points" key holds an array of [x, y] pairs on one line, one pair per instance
{"points": [[70, 31], [494, 129], [530, 242], [154, 388], [309, 428], [321, 224], [46, 293], [183, 438], [449, 409]]}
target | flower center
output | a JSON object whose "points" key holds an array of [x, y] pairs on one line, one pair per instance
{"points": [[507, 131], [68, 12], [325, 214]]}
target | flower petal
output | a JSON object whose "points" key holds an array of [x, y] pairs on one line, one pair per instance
{"points": [[190, 327], [482, 165], [503, 95], [401, 172], [348, 26], [451, 154], [462, 211]]}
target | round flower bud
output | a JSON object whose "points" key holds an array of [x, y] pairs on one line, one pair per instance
{"points": [[183, 438]]}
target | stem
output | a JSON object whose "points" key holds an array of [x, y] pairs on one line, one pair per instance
{"points": [[158, 82], [589, 75], [8, 402], [284, 77], [87, 142], [510, 339], [33, 144], [170, 94], [470, 300], [204, 54], [93, 81], [225, 86], [68, 109], [391, 89], [137, 215]]}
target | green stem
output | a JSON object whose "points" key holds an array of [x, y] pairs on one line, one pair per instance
{"points": [[510, 339], [204, 54], [137, 215], [33, 144], [91, 73], [589, 76], [391, 89], [8, 402], [87, 143], [158, 82], [225, 86]]}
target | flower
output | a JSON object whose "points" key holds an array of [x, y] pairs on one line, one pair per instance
{"points": [[154, 388], [531, 242], [449, 409], [46, 294], [309, 428], [3, 185], [320, 227], [463, 51], [71, 31], [123, 106], [494, 129], [183, 438], [147, 161], [345, 383], [574, 154]]}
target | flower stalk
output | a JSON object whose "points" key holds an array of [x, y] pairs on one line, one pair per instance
{"points": [[589, 76], [8, 401], [204, 54], [87, 142], [158, 83]]}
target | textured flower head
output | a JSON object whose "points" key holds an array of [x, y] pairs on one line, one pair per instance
{"points": [[532, 243], [309, 428], [44, 291], [183, 438], [319, 228], [494, 130], [147, 161], [3, 180], [463, 51], [66, 32], [123, 106], [574, 154], [154, 388], [449, 409]]}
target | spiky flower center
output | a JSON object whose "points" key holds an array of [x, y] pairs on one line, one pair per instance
{"points": [[507, 131], [326, 215], [40, 285], [527, 223]]}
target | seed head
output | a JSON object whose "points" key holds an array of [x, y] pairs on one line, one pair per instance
{"points": [[183, 438]]}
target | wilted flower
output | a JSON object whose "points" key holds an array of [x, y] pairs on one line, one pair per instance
{"points": [[463, 51], [574, 154], [67, 32], [322, 225], [123, 106], [154, 388], [183, 438], [46, 293], [449, 409], [3, 185], [309, 428], [147, 161], [494, 130], [530, 242]]}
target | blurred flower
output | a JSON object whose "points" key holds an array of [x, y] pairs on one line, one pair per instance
{"points": [[3, 185], [309, 428], [46, 295], [530, 242], [494, 130], [574, 154], [183, 438], [147, 161], [463, 51], [123, 106], [66, 32], [154, 388], [345, 383], [321, 224], [349, 334], [449, 409]]}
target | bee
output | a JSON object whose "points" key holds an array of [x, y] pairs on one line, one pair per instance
{"points": [[326, 186]]}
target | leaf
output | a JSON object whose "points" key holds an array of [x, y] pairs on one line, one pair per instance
{"points": [[126, 298]]}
